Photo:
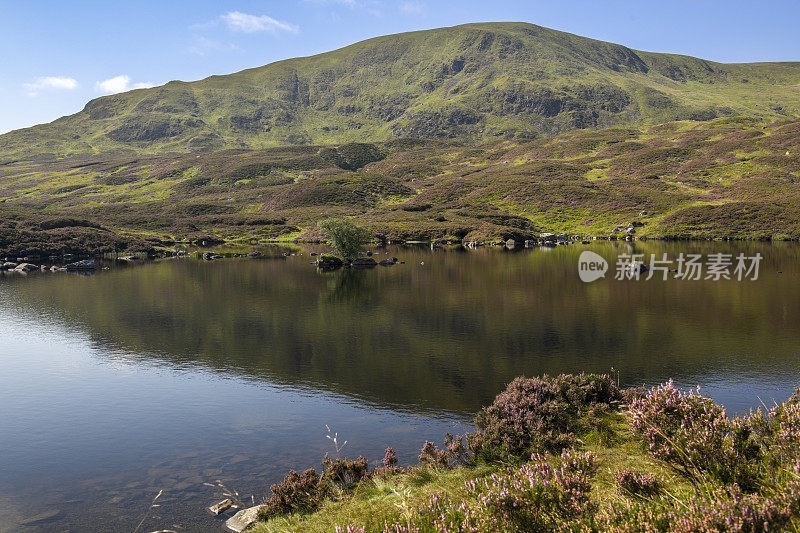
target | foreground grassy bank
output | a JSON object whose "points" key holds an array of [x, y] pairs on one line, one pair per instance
{"points": [[571, 453]]}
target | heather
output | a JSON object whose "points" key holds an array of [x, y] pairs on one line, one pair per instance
{"points": [[541, 414], [572, 453]]}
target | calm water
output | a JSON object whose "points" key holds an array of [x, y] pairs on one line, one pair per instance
{"points": [[170, 375]]}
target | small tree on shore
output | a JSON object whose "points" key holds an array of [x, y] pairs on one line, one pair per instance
{"points": [[346, 239]]}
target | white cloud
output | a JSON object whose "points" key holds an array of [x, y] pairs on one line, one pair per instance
{"points": [[238, 21], [119, 84], [412, 8], [50, 82]]}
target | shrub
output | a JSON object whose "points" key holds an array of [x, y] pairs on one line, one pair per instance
{"points": [[637, 484], [539, 414], [547, 494], [345, 473], [742, 461], [346, 238], [389, 463], [786, 419], [297, 493], [389, 458], [454, 452], [635, 517], [685, 429], [729, 509], [721, 510], [538, 496], [442, 514]]}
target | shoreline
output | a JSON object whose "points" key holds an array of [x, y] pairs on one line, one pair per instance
{"points": [[571, 451], [160, 248]]}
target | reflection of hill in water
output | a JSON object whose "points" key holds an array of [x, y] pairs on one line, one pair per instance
{"points": [[446, 335]]}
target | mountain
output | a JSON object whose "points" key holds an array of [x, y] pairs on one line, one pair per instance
{"points": [[470, 83]]}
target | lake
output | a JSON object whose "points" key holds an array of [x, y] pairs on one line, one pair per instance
{"points": [[174, 374]]}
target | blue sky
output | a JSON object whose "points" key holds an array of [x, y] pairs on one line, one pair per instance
{"points": [[56, 55]]}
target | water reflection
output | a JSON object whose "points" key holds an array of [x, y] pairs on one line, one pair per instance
{"points": [[171, 374], [443, 336]]}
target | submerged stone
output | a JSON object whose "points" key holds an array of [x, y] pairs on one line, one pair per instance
{"points": [[221, 507]]}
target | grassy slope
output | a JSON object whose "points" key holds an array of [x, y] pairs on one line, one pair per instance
{"points": [[727, 177], [386, 499], [474, 82]]}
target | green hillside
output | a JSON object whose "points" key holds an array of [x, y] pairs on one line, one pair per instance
{"points": [[729, 177], [474, 83]]}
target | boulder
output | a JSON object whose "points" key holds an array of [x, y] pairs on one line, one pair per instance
{"points": [[364, 262], [8, 265], [531, 243], [328, 262], [547, 237], [254, 254], [85, 264], [208, 256], [510, 243], [25, 267], [386, 262], [243, 518]]}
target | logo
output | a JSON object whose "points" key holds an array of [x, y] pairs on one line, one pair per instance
{"points": [[591, 266]]}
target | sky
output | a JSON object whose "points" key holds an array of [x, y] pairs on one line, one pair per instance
{"points": [[56, 55]]}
